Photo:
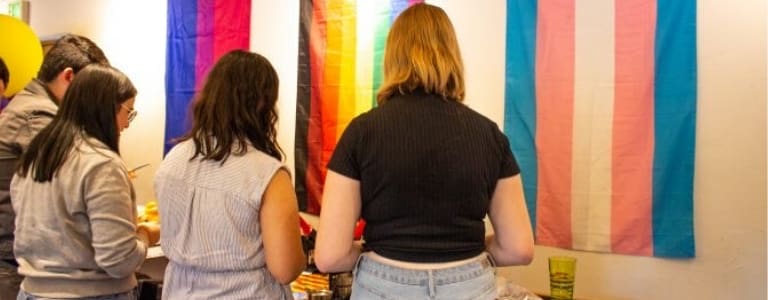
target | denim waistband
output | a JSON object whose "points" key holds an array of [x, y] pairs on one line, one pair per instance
{"points": [[449, 275]]}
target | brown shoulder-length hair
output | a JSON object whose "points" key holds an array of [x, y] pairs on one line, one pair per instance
{"points": [[235, 108], [422, 52]]}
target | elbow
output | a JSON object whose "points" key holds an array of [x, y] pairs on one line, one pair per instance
{"points": [[325, 268], [286, 266], [121, 270], [118, 265], [286, 278], [287, 274], [324, 263], [514, 255], [525, 256], [522, 254], [338, 256]]}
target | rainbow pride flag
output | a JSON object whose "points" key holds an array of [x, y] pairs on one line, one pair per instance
{"points": [[341, 46], [199, 32], [600, 110]]}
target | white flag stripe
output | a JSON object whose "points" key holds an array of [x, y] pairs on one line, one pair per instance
{"points": [[592, 125]]}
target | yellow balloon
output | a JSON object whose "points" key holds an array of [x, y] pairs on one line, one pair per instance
{"points": [[22, 52]]}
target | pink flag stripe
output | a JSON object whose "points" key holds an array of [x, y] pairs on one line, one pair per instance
{"points": [[205, 40], [554, 114], [633, 135], [231, 27]]}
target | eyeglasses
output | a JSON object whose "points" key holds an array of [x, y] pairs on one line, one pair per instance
{"points": [[131, 112]]}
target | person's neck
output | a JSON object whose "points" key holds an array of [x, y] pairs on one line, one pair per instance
{"points": [[48, 87]]}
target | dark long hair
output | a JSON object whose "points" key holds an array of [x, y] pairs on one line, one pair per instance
{"points": [[89, 108], [235, 108]]}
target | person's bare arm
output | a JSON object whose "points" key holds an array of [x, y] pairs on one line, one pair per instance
{"points": [[335, 249], [279, 218], [512, 241]]}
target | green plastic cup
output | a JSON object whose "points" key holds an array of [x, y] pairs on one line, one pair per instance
{"points": [[562, 272]]}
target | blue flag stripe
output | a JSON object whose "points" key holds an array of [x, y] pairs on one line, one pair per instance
{"points": [[520, 94], [675, 128], [180, 67]]}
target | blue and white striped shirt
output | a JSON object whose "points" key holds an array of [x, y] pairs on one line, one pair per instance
{"points": [[210, 225]]}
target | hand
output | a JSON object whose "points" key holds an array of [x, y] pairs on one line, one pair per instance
{"points": [[149, 232], [132, 172]]}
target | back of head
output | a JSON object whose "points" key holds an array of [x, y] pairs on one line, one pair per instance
{"points": [[422, 52], [4, 74], [237, 106], [70, 51], [90, 105]]}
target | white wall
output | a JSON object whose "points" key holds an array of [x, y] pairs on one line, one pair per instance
{"points": [[730, 178], [275, 34], [132, 35]]}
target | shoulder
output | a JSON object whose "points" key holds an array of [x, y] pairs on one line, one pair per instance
{"points": [[23, 110], [472, 115], [181, 150], [176, 160], [365, 118], [92, 161], [256, 168], [94, 153], [30, 101], [262, 165], [261, 159]]}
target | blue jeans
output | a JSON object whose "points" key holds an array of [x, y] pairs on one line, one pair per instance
{"points": [[129, 295], [374, 280]]}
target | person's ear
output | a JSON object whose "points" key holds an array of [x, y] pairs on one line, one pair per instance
{"points": [[68, 75]]}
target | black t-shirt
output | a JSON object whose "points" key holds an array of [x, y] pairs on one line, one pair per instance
{"points": [[427, 169]]}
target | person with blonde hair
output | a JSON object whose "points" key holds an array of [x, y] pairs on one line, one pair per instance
{"points": [[423, 170]]}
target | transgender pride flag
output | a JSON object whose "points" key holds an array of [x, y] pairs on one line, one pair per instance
{"points": [[199, 32], [341, 47], [601, 113]]}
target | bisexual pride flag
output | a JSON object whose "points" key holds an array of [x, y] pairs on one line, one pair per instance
{"points": [[341, 47], [600, 110], [199, 32]]}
